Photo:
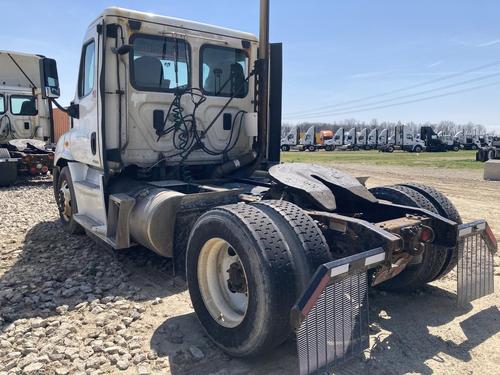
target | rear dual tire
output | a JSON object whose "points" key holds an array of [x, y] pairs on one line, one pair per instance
{"points": [[414, 275], [277, 247], [445, 208]]}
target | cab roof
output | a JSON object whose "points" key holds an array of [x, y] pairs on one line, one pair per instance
{"points": [[22, 54], [177, 22]]}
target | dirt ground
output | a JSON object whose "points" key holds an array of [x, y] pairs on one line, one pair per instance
{"points": [[68, 306]]}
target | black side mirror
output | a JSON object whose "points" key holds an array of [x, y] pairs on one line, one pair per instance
{"points": [[49, 78], [73, 110], [122, 50]]}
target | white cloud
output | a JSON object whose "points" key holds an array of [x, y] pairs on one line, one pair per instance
{"points": [[489, 43], [435, 63]]}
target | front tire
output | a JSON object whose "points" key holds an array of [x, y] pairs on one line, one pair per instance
{"points": [[285, 148], [263, 270], [417, 149], [66, 202]]}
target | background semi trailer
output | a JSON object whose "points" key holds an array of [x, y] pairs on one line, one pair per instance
{"points": [[185, 167], [27, 84]]}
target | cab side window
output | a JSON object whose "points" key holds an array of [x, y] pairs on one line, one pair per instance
{"points": [[87, 65], [2, 104], [23, 105]]}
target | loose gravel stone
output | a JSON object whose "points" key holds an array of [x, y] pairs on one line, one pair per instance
{"points": [[122, 365], [66, 305]]}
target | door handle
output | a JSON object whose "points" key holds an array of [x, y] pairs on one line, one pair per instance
{"points": [[93, 143]]}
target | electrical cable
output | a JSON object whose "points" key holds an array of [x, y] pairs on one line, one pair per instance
{"points": [[425, 83], [409, 101], [361, 106]]}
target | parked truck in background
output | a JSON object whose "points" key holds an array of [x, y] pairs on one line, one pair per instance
{"points": [[27, 84], [183, 166], [490, 152], [468, 141], [290, 140], [405, 140], [436, 143], [450, 142]]}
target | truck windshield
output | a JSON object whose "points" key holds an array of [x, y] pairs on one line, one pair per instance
{"points": [[23, 105], [2, 104], [223, 71], [159, 63]]}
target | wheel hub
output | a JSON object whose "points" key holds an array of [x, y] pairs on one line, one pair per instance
{"points": [[65, 201], [236, 282], [223, 283]]}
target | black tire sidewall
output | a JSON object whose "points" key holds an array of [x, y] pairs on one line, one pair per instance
{"points": [[239, 340]]}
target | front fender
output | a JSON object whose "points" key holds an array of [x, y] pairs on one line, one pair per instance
{"points": [[63, 151]]}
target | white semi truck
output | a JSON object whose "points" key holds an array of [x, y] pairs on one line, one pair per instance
{"points": [[167, 152], [404, 140], [290, 140], [27, 84], [468, 141]]}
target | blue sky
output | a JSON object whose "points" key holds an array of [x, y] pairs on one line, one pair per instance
{"points": [[336, 52]]}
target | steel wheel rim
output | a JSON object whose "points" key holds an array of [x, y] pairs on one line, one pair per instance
{"points": [[217, 257], [65, 201]]}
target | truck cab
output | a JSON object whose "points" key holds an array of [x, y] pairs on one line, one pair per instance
{"points": [[362, 139], [27, 84], [24, 105], [290, 140], [372, 139], [404, 140], [308, 141], [339, 137]]}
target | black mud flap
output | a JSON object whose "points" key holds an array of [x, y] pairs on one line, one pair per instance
{"points": [[331, 316], [475, 271]]}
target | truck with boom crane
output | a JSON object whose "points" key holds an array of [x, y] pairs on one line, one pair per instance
{"points": [[175, 146]]}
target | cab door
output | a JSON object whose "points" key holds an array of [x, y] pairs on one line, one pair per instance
{"points": [[85, 136], [23, 116]]}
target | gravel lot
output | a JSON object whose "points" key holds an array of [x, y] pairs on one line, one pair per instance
{"points": [[68, 306]]}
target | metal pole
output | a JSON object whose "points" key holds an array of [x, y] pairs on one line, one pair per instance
{"points": [[263, 78]]}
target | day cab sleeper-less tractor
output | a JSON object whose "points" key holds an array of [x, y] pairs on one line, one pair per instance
{"points": [[175, 147]]}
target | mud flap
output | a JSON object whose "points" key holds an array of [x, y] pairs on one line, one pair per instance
{"points": [[475, 271], [331, 316]]}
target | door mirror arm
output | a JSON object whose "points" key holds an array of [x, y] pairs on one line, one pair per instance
{"points": [[73, 110]]}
